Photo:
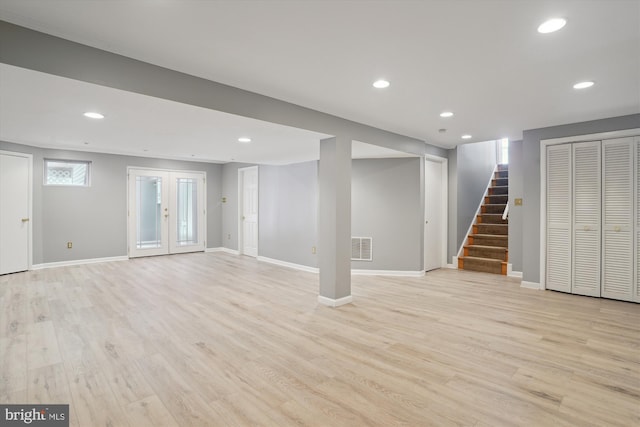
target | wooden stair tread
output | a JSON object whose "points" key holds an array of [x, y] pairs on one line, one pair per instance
{"points": [[490, 260], [486, 247], [499, 236]]}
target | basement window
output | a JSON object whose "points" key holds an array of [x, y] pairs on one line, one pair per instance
{"points": [[74, 173]]}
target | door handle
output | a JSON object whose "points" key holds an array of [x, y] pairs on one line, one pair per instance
{"points": [[25, 219], [166, 215]]}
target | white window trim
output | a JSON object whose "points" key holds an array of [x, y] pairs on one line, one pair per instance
{"points": [[85, 162]]}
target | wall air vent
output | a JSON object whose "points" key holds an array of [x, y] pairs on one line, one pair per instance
{"points": [[361, 248]]}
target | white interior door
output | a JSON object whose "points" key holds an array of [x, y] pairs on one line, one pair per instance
{"points": [[433, 236], [559, 218], [586, 218], [248, 197], [166, 212], [617, 245], [186, 212], [15, 211]]}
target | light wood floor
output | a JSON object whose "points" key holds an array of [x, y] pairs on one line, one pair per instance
{"points": [[214, 339]]}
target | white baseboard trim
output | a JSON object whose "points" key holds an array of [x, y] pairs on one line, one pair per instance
{"points": [[77, 262], [399, 273], [516, 274], [530, 285], [289, 264], [222, 249], [335, 302]]}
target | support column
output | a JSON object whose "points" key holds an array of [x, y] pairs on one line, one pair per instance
{"points": [[334, 223]]}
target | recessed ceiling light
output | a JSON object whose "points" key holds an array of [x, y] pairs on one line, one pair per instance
{"points": [[93, 115], [244, 139], [381, 84], [446, 114], [583, 85], [466, 136], [551, 25]]}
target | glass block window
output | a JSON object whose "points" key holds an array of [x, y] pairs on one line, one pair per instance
{"points": [[67, 172]]}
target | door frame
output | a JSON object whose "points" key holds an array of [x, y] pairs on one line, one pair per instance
{"points": [[544, 143], [241, 172], [444, 208], [204, 202], [29, 157]]}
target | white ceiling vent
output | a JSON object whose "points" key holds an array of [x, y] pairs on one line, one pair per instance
{"points": [[361, 248]]}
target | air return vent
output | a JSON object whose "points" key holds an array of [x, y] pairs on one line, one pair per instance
{"points": [[361, 248]]}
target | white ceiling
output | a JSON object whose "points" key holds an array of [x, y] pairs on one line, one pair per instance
{"points": [[47, 111], [484, 60]]}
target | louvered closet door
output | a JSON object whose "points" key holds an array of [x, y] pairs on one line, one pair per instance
{"points": [[586, 219], [617, 236], [559, 216], [636, 281]]}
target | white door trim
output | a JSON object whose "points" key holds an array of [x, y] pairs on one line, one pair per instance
{"points": [[544, 143], [444, 208], [29, 157], [241, 172]]}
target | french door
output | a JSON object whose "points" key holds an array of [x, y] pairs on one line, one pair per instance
{"points": [[166, 212]]}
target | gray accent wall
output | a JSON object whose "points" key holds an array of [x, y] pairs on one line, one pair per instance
{"points": [[388, 205], [516, 213], [288, 225], [95, 218], [531, 179], [452, 223]]}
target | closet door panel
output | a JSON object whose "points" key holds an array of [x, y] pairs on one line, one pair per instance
{"points": [[586, 219], [618, 200], [559, 214], [636, 281]]}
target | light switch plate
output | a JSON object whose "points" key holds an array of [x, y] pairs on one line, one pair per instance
{"points": [[517, 202]]}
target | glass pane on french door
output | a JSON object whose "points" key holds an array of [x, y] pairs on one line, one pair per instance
{"points": [[187, 211], [148, 212]]}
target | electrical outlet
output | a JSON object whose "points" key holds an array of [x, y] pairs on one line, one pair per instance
{"points": [[313, 250], [69, 245]]}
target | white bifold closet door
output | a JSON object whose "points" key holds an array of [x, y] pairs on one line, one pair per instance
{"points": [[636, 168], [559, 218], [586, 219], [618, 218]]}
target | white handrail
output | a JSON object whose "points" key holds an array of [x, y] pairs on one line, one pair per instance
{"points": [[505, 214]]}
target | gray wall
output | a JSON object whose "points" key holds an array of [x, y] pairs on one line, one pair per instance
{"points": [[516, 186], [388, 206], [95, 218], [452, 223], [289, 212], [474, 165], [531, 178]]}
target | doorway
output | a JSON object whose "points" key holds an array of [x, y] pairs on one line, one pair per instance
{"points": [[435, 212], [166, 212], [15, 211], [248, 211]]}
